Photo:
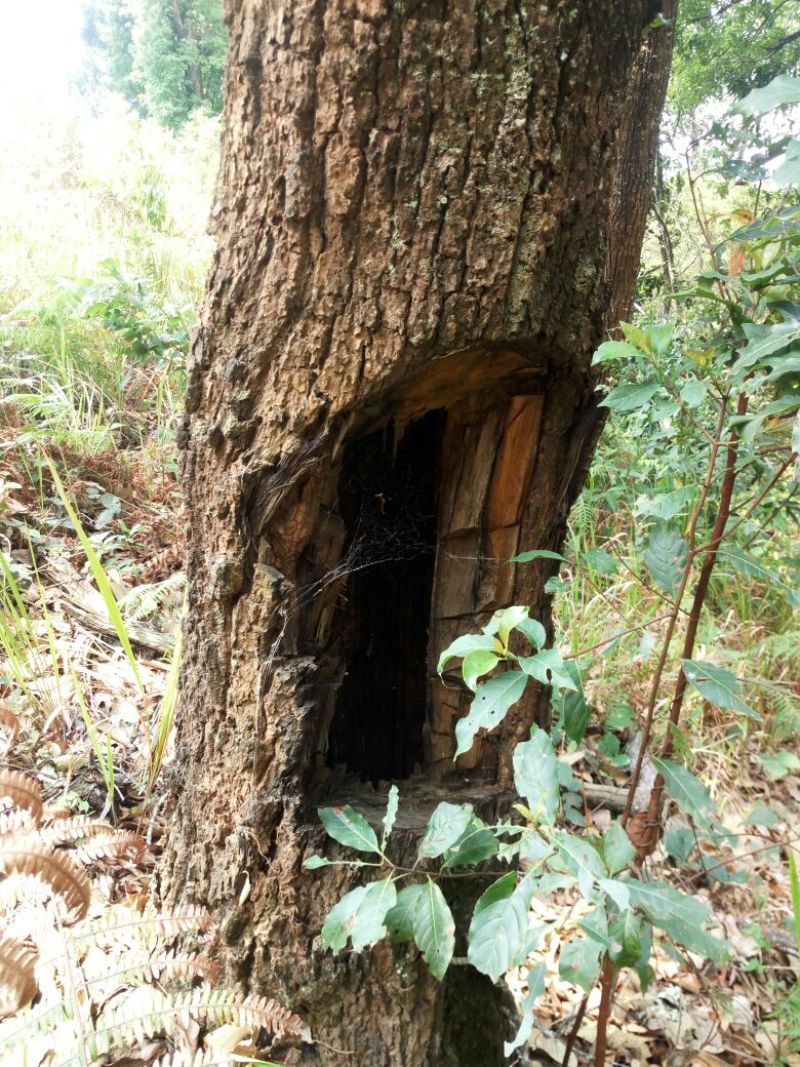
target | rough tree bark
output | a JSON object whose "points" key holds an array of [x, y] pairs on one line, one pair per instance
{"points": [[426, 221]]}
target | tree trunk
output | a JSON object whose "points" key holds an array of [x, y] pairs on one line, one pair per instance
{"points": [[421, 210]]}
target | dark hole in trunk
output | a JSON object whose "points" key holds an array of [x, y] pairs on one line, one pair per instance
{"points": [[388, 501]]}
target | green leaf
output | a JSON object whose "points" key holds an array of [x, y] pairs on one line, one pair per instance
{"points": [[689, 794], [400, 918], [572, 710], [680, 916], [779, 764], [533, 631], [360, 916], [794, 886], [659, 337], [313, 863], [601, 561], [392, 803], [665, 558], [349, 828], [536, 553], [498, 933], [445, 826], [635, 336], [535, 982], [780, 91], [580, 860], [434, 929], [489, 707], [579, 963], [536, 776], [465, 644], [476, 664], [717, 685], [618, 852], [475, 845], [694, 393], [610, 351], [626, 935], [548, 667], [664, 506], [764, 340], [617, 890], [630, 397], [507, 619]]}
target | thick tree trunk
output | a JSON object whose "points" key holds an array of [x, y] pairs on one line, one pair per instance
{"points": [[422, 205]]}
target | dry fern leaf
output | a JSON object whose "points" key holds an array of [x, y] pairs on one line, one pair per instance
{"points": [[56, 869], [116, 845], [17, 821], [200, 1059], [9, 724], [18, 985], [188, 919], [74, 829], [19, 790]]}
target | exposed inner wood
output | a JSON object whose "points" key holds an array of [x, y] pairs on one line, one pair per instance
{"points": [[423, 510]]}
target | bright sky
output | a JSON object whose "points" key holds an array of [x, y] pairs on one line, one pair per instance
{"points": [[40, 49]]}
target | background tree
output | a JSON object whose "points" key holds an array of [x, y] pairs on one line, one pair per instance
{"points": [[425, 227], [165, 57]]}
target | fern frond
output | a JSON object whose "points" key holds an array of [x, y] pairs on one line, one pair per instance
{"points": [[169, 966], [18, 790], [116, 845], [183, 920], [18, 820], [144, 600], [56, 869], [121, 1025], [18, 985], [9, 723], [72, 830], [209, 1059]]}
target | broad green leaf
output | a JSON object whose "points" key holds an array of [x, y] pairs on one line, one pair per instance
{"points": [[635, 336], [780, 91], [572, 710], [626, 935], [579, 963], [580, 860], [434, 929], [445, 826], [595, 924], [536, 776], [794, 887], [476, 664], [680, 916], [508, 618], [360, 916], [779, 764], [753, 568], [392, 803], [618, 852], [680, 842], [618, 891], [534, 848], [764, 340], [489, 706], [689, 794], [465, 644], [664, 506], [349, 828], [536, 553], [601, 561], [630, 397], [659, 337], [788, 170], [610, 351], [533, 630], [400, 918], [535, 982], [548, 667], [665, 558], [498, 933], [694, 393], [761, 815], [475, 845], [718, 686]]}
